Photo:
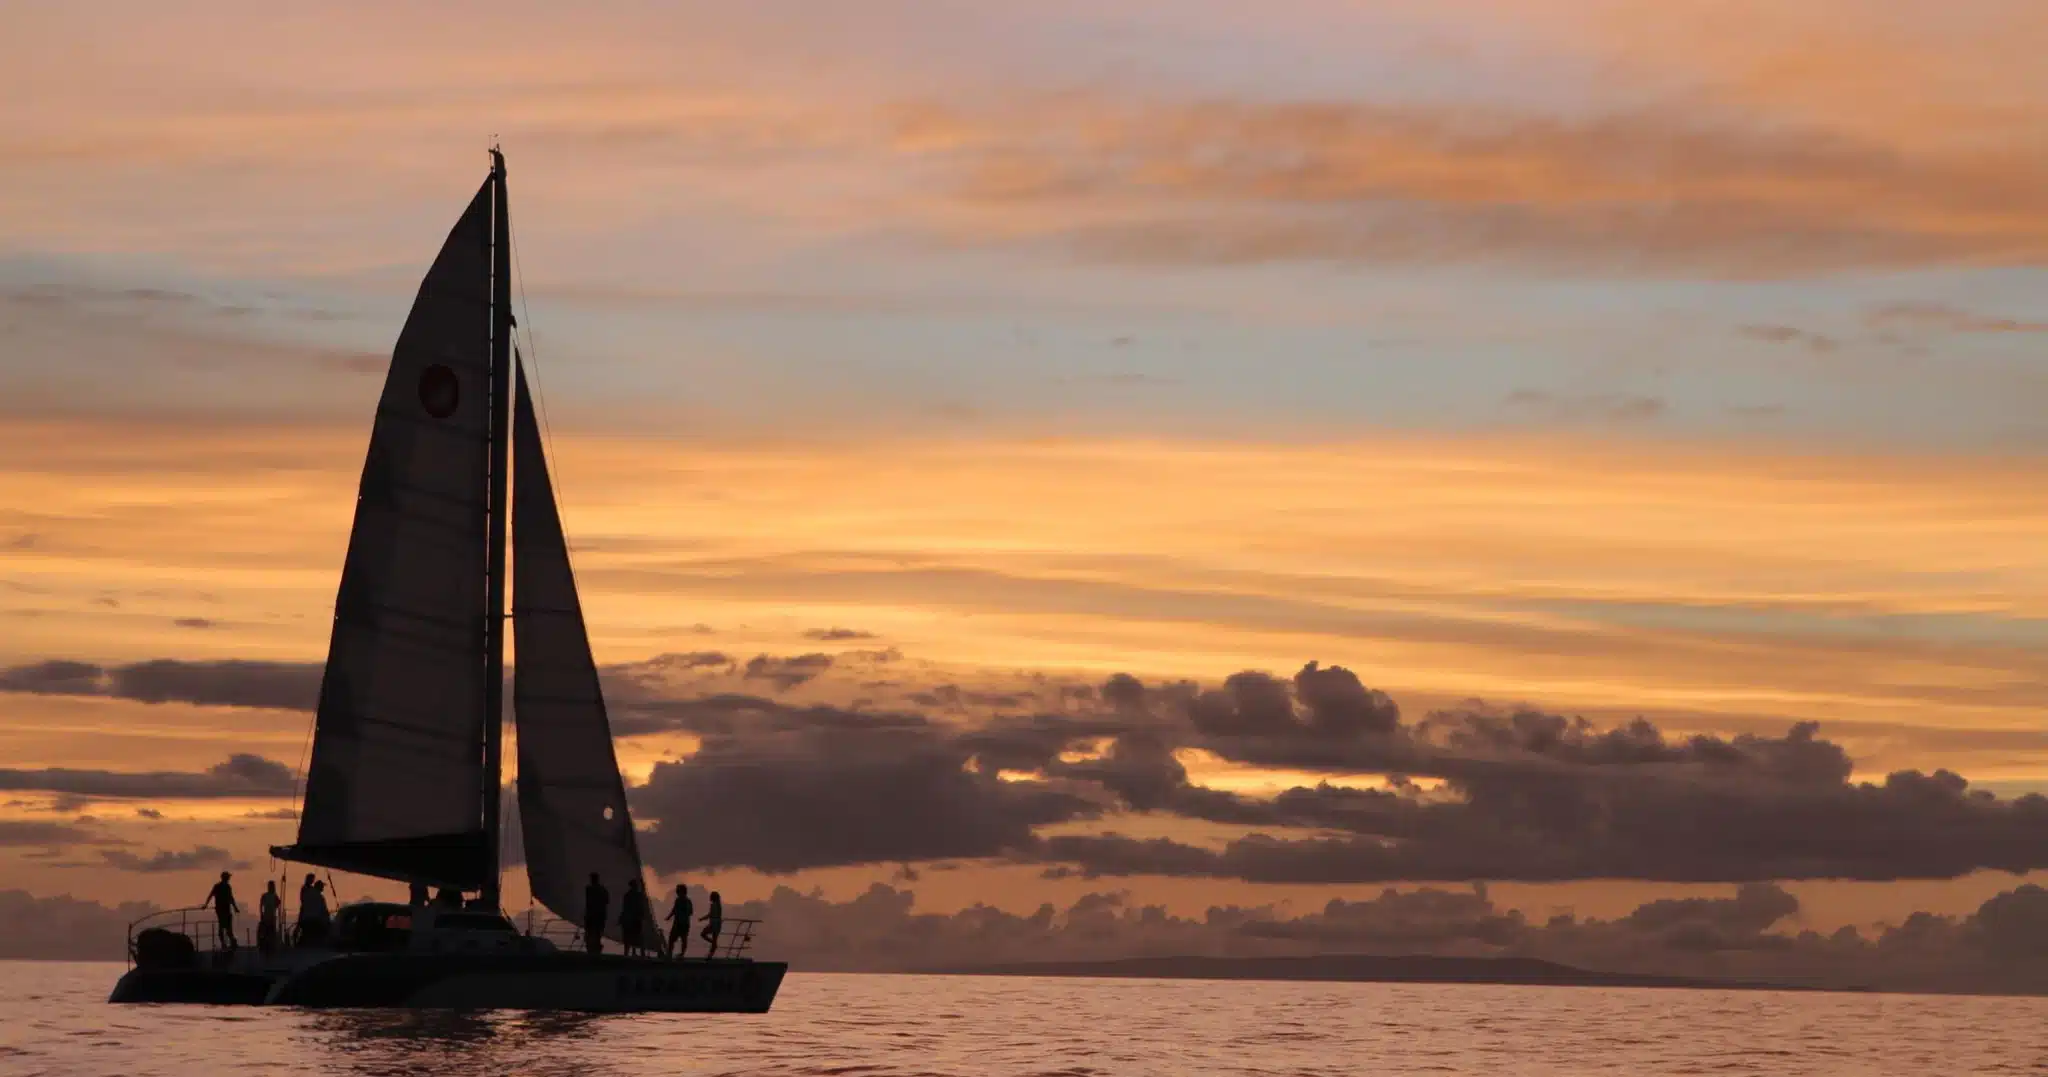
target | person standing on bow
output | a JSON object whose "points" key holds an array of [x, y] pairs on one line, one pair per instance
{"points": [[714, 924]]}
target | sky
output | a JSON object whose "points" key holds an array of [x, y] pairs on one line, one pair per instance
{"points": [[1205, 456]]}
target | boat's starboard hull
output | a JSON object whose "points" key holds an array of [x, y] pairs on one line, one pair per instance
{"points": [[586, 982]]}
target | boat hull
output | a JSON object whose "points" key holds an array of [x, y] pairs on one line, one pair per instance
{"points": [[211, 987], [598, 983]]}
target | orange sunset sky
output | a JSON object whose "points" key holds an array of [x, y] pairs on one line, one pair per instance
{"points": [[1685, 361]]}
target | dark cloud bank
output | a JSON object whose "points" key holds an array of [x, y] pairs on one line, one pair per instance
{"points": [[240, 775], [1472, 793], [1052, 776], [279, 685]]}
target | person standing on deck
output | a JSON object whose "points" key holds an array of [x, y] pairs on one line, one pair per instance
{"points": [[714, 924], [679, 915], [650, 928], [629, 918], [313, 916], [270, 917], [417, 896], [648, 932], [222, 898], [595, 898], [305, 901]]}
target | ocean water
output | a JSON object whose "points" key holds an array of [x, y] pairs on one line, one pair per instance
{"points": [[54, 1020]]}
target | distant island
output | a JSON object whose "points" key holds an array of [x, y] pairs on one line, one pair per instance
{"points": [[1360, 968]]}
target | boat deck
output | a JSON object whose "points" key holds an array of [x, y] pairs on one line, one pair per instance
{"points": [[449, 969]]}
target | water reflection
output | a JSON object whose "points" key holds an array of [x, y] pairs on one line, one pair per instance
{"points": [[452, 1043], [53, 1019]]}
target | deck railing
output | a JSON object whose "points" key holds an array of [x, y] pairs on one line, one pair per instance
{"points": [[565, 935], [736, 938], [197, 923], [735, 935]]}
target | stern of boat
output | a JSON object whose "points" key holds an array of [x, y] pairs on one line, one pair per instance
{"points": [[174, 956]]}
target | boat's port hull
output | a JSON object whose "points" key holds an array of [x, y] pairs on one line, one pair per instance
{"points": [[596, 983]]}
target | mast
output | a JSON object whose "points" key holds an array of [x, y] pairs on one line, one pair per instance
{"points": [[494, 614]]}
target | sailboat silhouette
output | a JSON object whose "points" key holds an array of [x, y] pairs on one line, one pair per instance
{"points": [[407, 756]]}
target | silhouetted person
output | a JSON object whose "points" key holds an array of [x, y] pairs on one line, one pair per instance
{"points": [[714, 924], [305, 899], [222, 898], [418, 895], [313, 916], [679, 915], [270, 918], [449, 898], [650, 929], [595, 898], [633, 918]]}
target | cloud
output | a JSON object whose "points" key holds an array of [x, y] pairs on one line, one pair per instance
{"points": [[227, 683], [1245, 182], [1775, 147], [787, 673], [66, 928], [1320, 705], [1058, 775], [1597, 407], [822, 787], [57, 677], [689, 660], [1426, 919], [1517, 793], [240, 775], [1817, 343], [21, 832], [148, 813], [193, 622], [1538, 797], [833, 635], [1716, 923], [1942, 317], [953, 697], [1672, 589], [198, 858]]}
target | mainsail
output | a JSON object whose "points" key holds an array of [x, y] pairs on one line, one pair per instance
{"points": [[397, 779], [572, 804]]}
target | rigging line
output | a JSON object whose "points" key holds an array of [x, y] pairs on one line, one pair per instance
{"points": [[547, 434], [305, 753], [540, 399]]}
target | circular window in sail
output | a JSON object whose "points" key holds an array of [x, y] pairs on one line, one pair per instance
{"points": [[439, 391]]}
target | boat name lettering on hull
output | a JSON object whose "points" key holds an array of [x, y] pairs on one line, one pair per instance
{"points": [[679, 985]]}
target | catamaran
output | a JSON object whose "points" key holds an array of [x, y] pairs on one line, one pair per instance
{"points": [[406, 770]]}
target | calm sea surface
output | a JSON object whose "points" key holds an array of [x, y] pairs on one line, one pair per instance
{"points": [[54, 1020]]}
